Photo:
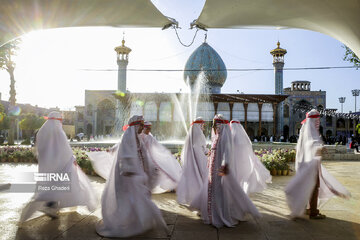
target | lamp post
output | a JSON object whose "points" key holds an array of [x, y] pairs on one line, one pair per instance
{"points": [[355, 93], [342, 101]]}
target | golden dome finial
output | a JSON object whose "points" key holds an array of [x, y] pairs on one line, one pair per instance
{"points": [[123, 49], [278, 51], [123, 41]]}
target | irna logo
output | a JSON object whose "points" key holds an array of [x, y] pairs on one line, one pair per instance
{"points": [[52, 177]]}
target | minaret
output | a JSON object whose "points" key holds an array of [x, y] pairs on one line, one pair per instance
{"points": [[122, 53], [278, 63], [122, 61]]}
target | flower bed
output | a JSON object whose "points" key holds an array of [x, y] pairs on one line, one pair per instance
{"points": [[277, 161], [26, 155], [83, 160], [17, 154]]}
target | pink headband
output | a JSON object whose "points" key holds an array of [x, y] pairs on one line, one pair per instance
{"points": [[311, 116], [132, 124], [52, 118], [198, 121]]}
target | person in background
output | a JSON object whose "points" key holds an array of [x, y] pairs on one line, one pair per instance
{"points": [[354, 145]]}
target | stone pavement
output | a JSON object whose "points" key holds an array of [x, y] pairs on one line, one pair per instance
{"points": [[342, 222]]}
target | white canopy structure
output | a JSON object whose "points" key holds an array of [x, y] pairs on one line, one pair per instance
{"points": [[338, 19], [18, 17]]}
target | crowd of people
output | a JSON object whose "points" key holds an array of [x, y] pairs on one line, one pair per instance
{"points": [[215, 182]]}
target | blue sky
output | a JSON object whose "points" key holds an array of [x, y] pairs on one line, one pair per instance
{"points": [[50, 66]]}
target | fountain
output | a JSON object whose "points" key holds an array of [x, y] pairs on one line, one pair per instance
{"points": [[171, 113], [184, 110]]}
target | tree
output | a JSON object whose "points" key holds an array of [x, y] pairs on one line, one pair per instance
{"points": [[30, 123], [357, 128], [6, 62], [2, 108], [351, 57], [4, 120]]}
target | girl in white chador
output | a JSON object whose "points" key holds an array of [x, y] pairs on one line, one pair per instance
{"points": [[312, 184], [166, 170], [163, 172], [127, 208], [55, 156], [194, 161], [221, 200], [248, 169]]}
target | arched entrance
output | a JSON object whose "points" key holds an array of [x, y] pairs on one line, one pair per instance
{"points": [[286, 132], [105, 117], [250, 132], [89, 130], [328, 133]]}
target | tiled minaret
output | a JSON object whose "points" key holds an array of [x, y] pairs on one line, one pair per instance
{"points": [[278, 63]]}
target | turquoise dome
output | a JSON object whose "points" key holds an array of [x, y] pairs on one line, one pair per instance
{"points": [[206, 60]]}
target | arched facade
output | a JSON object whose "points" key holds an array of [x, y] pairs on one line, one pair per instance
{"points": [[165, 112]]}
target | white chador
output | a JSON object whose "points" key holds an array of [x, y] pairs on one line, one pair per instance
{"points": [[309, 170], [222, 201], [248, 169], [102, 161], [55, 156], [127, 209], [165, 170], [194, 163]]}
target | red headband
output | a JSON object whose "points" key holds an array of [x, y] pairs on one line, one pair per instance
{"points": [[232, 121], [198, 121], [311, 116], [52, 118], [132, 124]]}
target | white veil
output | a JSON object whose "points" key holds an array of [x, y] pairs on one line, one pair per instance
{"points": [[168, 170], [248, 169], [54, 151], [127, 208], [194, 163], [308, 167], [225, 203], [55, 156]]}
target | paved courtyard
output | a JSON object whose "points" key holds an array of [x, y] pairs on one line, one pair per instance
{"points": [[342, 222]]}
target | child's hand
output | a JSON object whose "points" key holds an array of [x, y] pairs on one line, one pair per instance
{"points": [[223, 171]]}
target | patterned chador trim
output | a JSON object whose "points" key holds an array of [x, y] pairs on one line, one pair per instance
{"points": [[212, 175], [142, 160]]}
